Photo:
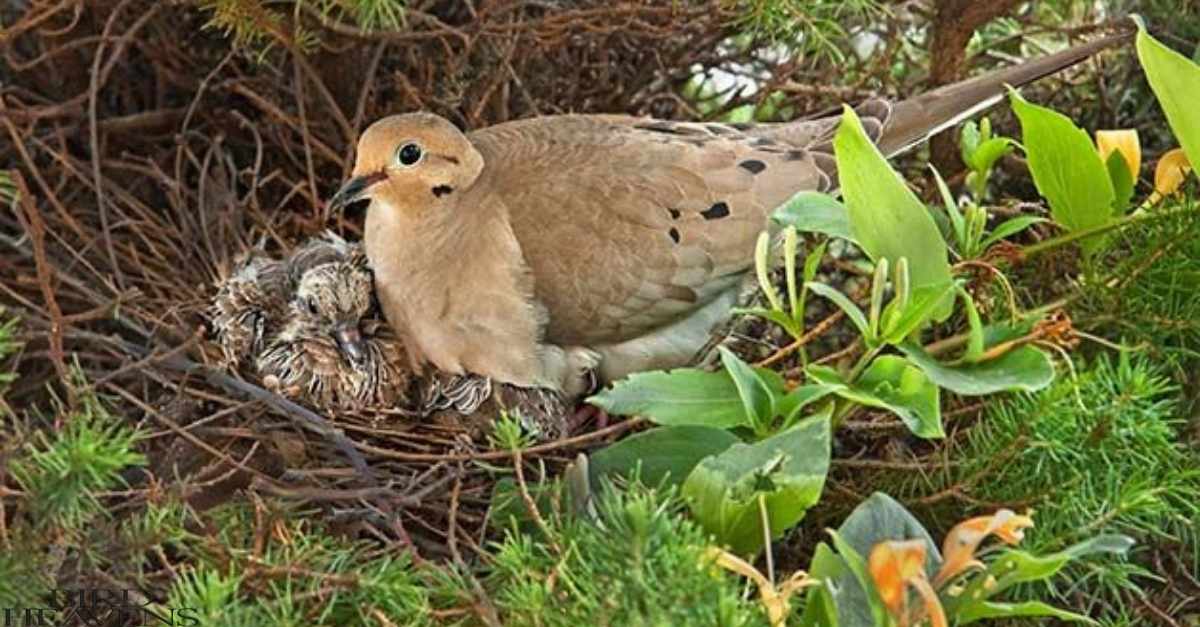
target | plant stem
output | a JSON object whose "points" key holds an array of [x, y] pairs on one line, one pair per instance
{"points": [[1067, 238]]}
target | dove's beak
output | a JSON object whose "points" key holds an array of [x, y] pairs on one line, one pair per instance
{"points": [[354, 189], [350, 341]]}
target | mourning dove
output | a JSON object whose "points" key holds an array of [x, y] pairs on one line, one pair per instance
{"points": [[536, 251]]}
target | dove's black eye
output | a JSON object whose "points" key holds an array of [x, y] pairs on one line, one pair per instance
{"points": [[408, 154]]}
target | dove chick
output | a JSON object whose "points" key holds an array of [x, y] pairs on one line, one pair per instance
{"points": [[249, 306], [328, 351]]}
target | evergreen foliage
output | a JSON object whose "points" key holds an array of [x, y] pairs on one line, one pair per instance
{"points": [[1100, 453], [637, 563]]}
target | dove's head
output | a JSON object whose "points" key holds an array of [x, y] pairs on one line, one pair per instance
{"points": [[413, 160], [332, 299]]}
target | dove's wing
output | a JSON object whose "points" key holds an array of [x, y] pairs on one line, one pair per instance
{"points": [[630, 224]]}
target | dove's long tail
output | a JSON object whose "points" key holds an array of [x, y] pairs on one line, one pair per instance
{"points": [[913, 120]]}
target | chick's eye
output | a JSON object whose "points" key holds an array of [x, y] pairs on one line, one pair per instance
{"points": [[311, 303], [408, 154]]}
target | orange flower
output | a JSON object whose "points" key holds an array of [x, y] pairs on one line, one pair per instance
{"points": [[896, 565], [1124, 141], [1172, 169], [964, 539]]}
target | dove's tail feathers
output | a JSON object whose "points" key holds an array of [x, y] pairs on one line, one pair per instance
{"points": [[918, 118]]}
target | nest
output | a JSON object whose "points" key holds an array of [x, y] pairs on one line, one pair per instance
{"points": [[147, 155]]}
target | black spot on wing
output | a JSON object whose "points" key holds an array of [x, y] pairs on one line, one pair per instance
{"points": [[717, 129], [753, 166], [794, 155], [763, 141], [674, 213], [670, 128], [741, 126], [674, 233], [442, 190], [717, 211]]}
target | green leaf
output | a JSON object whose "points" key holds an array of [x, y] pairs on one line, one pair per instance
{"points": [[1012, 226], [1176, 82], [1122, 181], [857, 565], [814, 212], [827, 601], [852, 310], [989, 609], [790, 405], [757, 399], [780, 318], [894, 384], [686, 396], [968, 143], [989, 152], [921, 307], [976, 339], [886, 217], [1066, 169], [880, 518], [788, 469], [812, 263], [952, 211], [1024, 369], [1013, 566], [663, 454], [877, 519]]}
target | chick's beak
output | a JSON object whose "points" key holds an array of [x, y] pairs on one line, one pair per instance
{"points": [[354, 189], [350, 341]]}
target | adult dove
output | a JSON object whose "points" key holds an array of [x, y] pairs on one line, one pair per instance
{"points": [[540, 251]]}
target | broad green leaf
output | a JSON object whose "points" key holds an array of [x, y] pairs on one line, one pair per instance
{"points": [[661, 454], [921, 307], [880, 518], [814, 212], [827, 601], [852, 310], [1066, 169], [989, 609], [685, 396], [1122, 181], [1012, 226], [820, 608], [894, 384], [757, 399], [877, 519], [886, 217], [1024, 369], [788, 469], [856, 563], [1176, 82]]}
